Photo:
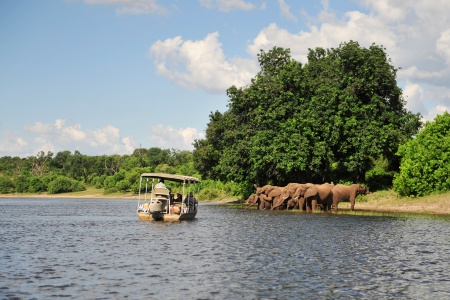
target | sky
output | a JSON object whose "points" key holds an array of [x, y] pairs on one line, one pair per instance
{"points": [[110, 76]]}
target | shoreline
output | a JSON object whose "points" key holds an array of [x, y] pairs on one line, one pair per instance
{"points": [[378, 202]]}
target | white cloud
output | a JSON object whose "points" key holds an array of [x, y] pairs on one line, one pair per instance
{"points": [[437, 110], [414, 96], [12, 145], [286, 10], [443, 46], [167, 137], [132, 6], [227, 5], [60, 136], [201, 64]]}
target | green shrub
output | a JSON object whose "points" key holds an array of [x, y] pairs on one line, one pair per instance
{"points": [[64, 184], [6, 184], [21, 184], [36, 185], [425, 160]]}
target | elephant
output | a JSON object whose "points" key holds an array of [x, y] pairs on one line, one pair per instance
{"points": [[287, 197], [269, 193], [314, 196], [344, 193], [297, 195], [262, 204], [325, 196]]}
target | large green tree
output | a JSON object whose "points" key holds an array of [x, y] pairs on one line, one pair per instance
{"points": [[326, 120]]}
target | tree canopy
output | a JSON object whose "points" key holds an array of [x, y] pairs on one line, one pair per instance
{"points": [[328, 120]]}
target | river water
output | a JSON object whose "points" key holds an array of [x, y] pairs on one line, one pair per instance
{"points": [[98, 249]]}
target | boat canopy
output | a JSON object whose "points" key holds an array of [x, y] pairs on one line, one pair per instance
{"points": [[173, 177]]}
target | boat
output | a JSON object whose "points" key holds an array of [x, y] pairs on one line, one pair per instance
{"points": [[158, 203]]}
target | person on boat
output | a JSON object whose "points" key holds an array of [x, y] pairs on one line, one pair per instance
{"points": [[190, 199], [160, 184]]}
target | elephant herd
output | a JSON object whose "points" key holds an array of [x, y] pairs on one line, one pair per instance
{"points": [[306, 196]]}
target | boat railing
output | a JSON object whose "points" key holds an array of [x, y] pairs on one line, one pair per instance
{"points": [[183, 203]]}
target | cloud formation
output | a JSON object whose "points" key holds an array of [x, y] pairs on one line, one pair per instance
{"points": [[414, 33], [201, 64], [59, 136], [167, 137]]}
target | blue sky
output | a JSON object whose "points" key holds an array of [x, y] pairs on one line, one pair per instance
{"points": [[109, 76]]}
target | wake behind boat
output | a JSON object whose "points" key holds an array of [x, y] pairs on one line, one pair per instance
{"points": [[160, 204]]}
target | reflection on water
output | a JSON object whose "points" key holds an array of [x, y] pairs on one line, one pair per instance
{"points": [[85, 249]]}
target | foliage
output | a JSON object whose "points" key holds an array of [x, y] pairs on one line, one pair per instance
{"points": [[64, 184], [6, 184], [328, 120], [379, 177], [114, 173], [425, 160]]}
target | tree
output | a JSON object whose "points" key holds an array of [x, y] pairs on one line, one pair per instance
{"points": [[425, 160], [327, 120], [40, 162]]}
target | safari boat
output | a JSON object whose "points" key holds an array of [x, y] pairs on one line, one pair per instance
{"points": [[158, 203]]}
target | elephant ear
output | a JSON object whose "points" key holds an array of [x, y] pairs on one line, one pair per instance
{"points": [[311, 191]]}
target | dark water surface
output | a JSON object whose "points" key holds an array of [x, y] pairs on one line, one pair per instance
{"points": [[98, 249]]}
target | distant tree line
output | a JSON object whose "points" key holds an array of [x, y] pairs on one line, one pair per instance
{"points": [[70, 172]]}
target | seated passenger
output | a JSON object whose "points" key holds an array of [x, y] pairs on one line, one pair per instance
{"points": [[190, 199]]}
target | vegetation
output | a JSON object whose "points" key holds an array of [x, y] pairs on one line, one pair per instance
{"points": [[74, 172], [341, 117], [425, 160]]}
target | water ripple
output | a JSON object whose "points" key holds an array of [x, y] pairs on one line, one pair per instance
{"points": [[85, 249]]}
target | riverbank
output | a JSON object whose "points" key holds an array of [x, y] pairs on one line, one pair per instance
{"points": [[382, 201]]}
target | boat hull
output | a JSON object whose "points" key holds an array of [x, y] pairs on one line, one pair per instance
{"points": [[146, 216]]}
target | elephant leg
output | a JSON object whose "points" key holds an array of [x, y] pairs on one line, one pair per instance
{"points": [[335, 202], [352, 203], [301, 203], [314, 205]]}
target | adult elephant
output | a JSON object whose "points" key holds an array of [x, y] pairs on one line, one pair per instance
{"points": [[346, 193], [314, 196], [304, 197], [270, 194], [288, 199], [325, 196], [262, 204]]}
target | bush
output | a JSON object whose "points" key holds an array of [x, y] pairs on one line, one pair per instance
{"points": [[36, 185], [21, 184], [6, 184], [425, 160], [64, 184]]}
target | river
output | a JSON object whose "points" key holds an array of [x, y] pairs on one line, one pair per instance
{"points": [[98, 249]]}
